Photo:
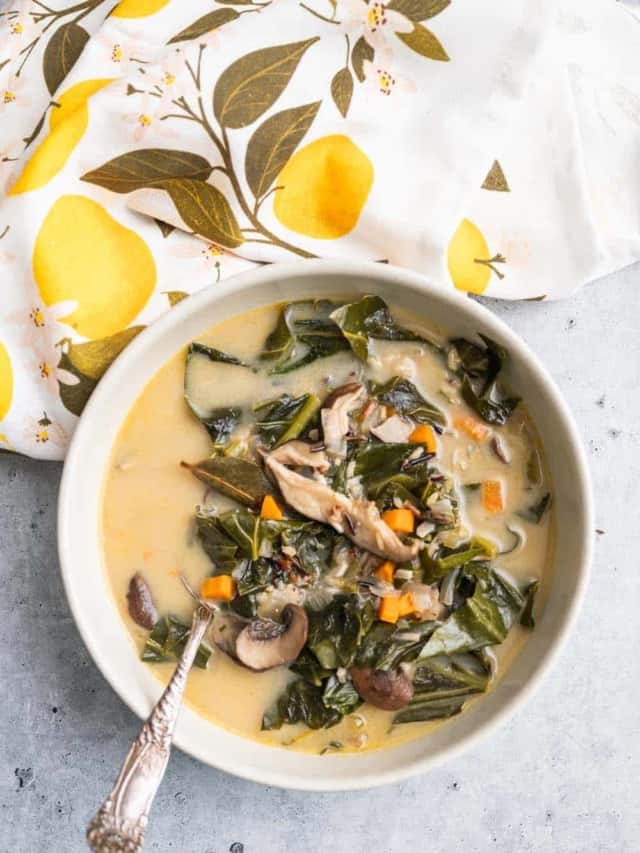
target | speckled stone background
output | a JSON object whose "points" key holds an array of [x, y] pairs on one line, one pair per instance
{"points": [[562, 777]]}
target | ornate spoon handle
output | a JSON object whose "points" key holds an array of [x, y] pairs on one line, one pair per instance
{"points": [[121, 821]]}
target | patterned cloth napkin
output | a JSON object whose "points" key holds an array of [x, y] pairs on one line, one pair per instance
{"points": [[491, 146]]}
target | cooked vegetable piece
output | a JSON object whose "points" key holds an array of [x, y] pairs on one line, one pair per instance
{"points": [[240, 479], [304, 333], [308, 666], [473, 427], [389, 609], [140, 602], [219, 587], [403, 396], [264, 643], [535, 513], [441, 687], [257, 575], [167, 641], [386, 571], [270, 509], [336, 630], [367, 318], [424, 434], [341, 696], [389, 690], [301, 702], [284, 419], [527, 619], [399, 520], [492, 499], [217, 545], [485, 617], [481, 388]]}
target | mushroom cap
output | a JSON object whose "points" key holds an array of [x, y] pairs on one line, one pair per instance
{"points": [[263, 643], [389, 690]]}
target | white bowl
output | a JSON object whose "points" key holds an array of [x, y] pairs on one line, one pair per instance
{"points": [[87, 585]]}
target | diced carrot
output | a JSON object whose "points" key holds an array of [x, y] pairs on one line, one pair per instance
{"points": [[389, 609], [424, 434], [222, 587], [270, 509], [400, 520], [492, 496], [385, 572], [477, 430], [406, 604]]}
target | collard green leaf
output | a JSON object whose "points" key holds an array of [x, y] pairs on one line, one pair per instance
{"points": [[403, 396], [301, 702], [304, 332], [206, 24], [377, 462], [252, 84], [423, 41], [485, 617], [308, 666], [196, 348], [148, 167], [481, 388], [313, 543], [217, 545], [61, 53], [448, 559], [527, 619], [362, 52], [273, 143], [167, 641], [342, 90], [243, 528], [442, 686], [335, 632], [286, 418], [340, 696], [367, 318], [237, 478], [205, 211], [257, 575], [535, 513], [419, 10], [281, 340], [245, 605], [476, 624]]}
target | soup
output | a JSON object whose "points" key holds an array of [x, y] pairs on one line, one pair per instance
{"points": [[363, 503]]}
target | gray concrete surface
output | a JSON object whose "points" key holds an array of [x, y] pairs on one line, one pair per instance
{"points": [[561, 777]]}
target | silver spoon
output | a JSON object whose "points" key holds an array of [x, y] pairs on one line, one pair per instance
{"points": [[120, 823]]}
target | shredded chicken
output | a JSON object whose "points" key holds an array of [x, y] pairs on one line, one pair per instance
{"points": [[357, 519], [335, 417], [302, 455]]}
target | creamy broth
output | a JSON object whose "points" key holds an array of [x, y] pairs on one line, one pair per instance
{"points": [[149, 502]]}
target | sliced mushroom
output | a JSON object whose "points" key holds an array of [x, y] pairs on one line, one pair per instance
{"points": [[140, 602], [358, 519], [225, 630], [334, 416], [394, 430], [389, 690], [263, 643]]}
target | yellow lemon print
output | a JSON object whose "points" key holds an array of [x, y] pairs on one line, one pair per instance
{"points": [[67, 123], [6, 382], [81, 253], [323, 188], [469, 260], [138, 8]]}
